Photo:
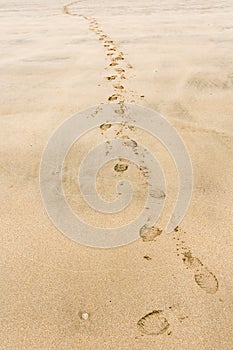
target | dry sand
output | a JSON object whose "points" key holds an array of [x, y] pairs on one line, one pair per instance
{"points": [[173, 291]]}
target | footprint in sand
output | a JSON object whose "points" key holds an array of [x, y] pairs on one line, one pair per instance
{"points": [[102, 37], [154, 323], [121, 167], [149, 234], [119, 87], [114, 97], [113, 64], [119, 70], [105, 126], [204, 278], [119, 58], [112, 77]]}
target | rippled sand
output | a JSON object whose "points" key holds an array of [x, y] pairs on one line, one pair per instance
{"points": [[161, 292]]}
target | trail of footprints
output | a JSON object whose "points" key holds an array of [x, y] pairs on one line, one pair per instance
{"points": [[155, 322], [203, 277], [117, 67]]}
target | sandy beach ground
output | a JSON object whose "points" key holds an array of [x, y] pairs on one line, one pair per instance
{"points": [[171, 291]]}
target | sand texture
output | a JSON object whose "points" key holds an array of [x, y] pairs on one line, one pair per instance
{"points": [[170, 292]]}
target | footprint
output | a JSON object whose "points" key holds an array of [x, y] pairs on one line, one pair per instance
{"points": [[204, 278], [119, 70], [119, 87], [114, 97], [112, 77], [149, 234], [102, 37], [119, 58], [121, 167], [105, 126], [154, 323], [113, 64]]}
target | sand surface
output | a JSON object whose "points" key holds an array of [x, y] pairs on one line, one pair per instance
{"points": [[166, 292]]}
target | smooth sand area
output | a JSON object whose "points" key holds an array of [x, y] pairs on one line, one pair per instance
{"points": [[166, 292]]}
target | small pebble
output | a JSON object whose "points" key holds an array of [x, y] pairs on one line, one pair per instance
{"points": [[85, 316]]}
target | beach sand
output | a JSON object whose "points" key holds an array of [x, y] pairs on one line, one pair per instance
{"points": [[166, 292]]}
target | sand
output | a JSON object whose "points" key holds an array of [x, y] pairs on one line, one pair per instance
{"points": [[167, 291]]}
